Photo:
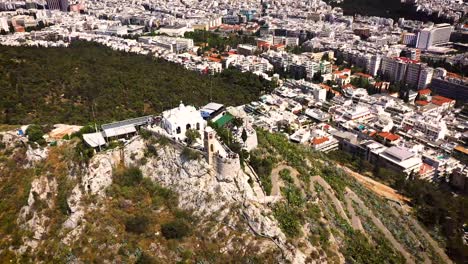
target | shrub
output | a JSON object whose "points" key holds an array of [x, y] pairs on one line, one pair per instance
{"points": [[151, 151], [35, 133], [263, 168], [176, 229], [83, 152], [128, 177], [192, 136], [84, 130], [160, 195], [289, 220], [137, 224], [313, 211], [190, 154], [286, 176], [145, 134], [293, 195], [163, 141]]}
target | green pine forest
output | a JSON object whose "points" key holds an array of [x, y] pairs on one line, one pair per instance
{"points": [[88, 81]]}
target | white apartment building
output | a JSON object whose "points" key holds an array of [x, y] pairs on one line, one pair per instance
{"points": [[436, 35], [400, 159], [411, 72], [175, 31], [249, 63], [175, 45], [312, 68], [394, 68], [374, 65], [425, 77], [353, 112]]}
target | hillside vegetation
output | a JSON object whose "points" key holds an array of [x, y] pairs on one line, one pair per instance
{"points": [[149, 203], [134, 220], [66, 85], [325, 206]]}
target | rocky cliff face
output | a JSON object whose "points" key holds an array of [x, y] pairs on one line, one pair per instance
{"points": [[121, 205], [228, 202]]}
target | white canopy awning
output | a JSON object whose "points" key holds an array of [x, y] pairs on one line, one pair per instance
{"points": [[119, 131], [94, 139]]}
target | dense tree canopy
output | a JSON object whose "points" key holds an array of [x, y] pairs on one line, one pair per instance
{"points": [[66, 85], [215, 40]]}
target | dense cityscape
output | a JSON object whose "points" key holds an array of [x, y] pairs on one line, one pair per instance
{"points": [[380, 98]]}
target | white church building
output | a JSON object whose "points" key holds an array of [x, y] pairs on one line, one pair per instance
{"points": [[178, 120]]}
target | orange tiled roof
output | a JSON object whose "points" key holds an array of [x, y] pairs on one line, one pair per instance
{"points": [[389, 136], [424, 91], [317, 141], [214, 59], [425, 168], [440, 100], [453, 75]]}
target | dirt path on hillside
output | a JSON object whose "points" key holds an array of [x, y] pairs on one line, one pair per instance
{"points": [[377, 187], [355, 221], [349, 196], [428, 237], [329, 191], [380, 226], [409, 231], [277, 182]]}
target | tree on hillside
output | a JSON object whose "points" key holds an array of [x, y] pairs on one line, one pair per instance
{"points": [[35, 133], [86, 80], [192, 136], [244, 135]]}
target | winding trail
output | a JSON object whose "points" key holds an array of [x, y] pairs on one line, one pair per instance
{"points": [[409, 231], [381, 226], [355, 221], [428, 238], [391, 194], [277, 183], [329, 191]]}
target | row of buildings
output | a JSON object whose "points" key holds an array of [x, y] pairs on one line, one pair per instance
{"points": [[422, 140]]}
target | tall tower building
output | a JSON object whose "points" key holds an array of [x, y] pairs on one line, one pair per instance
{"points": [[374, 65], [439, 34], [394, 68], [425, 77], [210, 142], [61, 5], [412, 74]]}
